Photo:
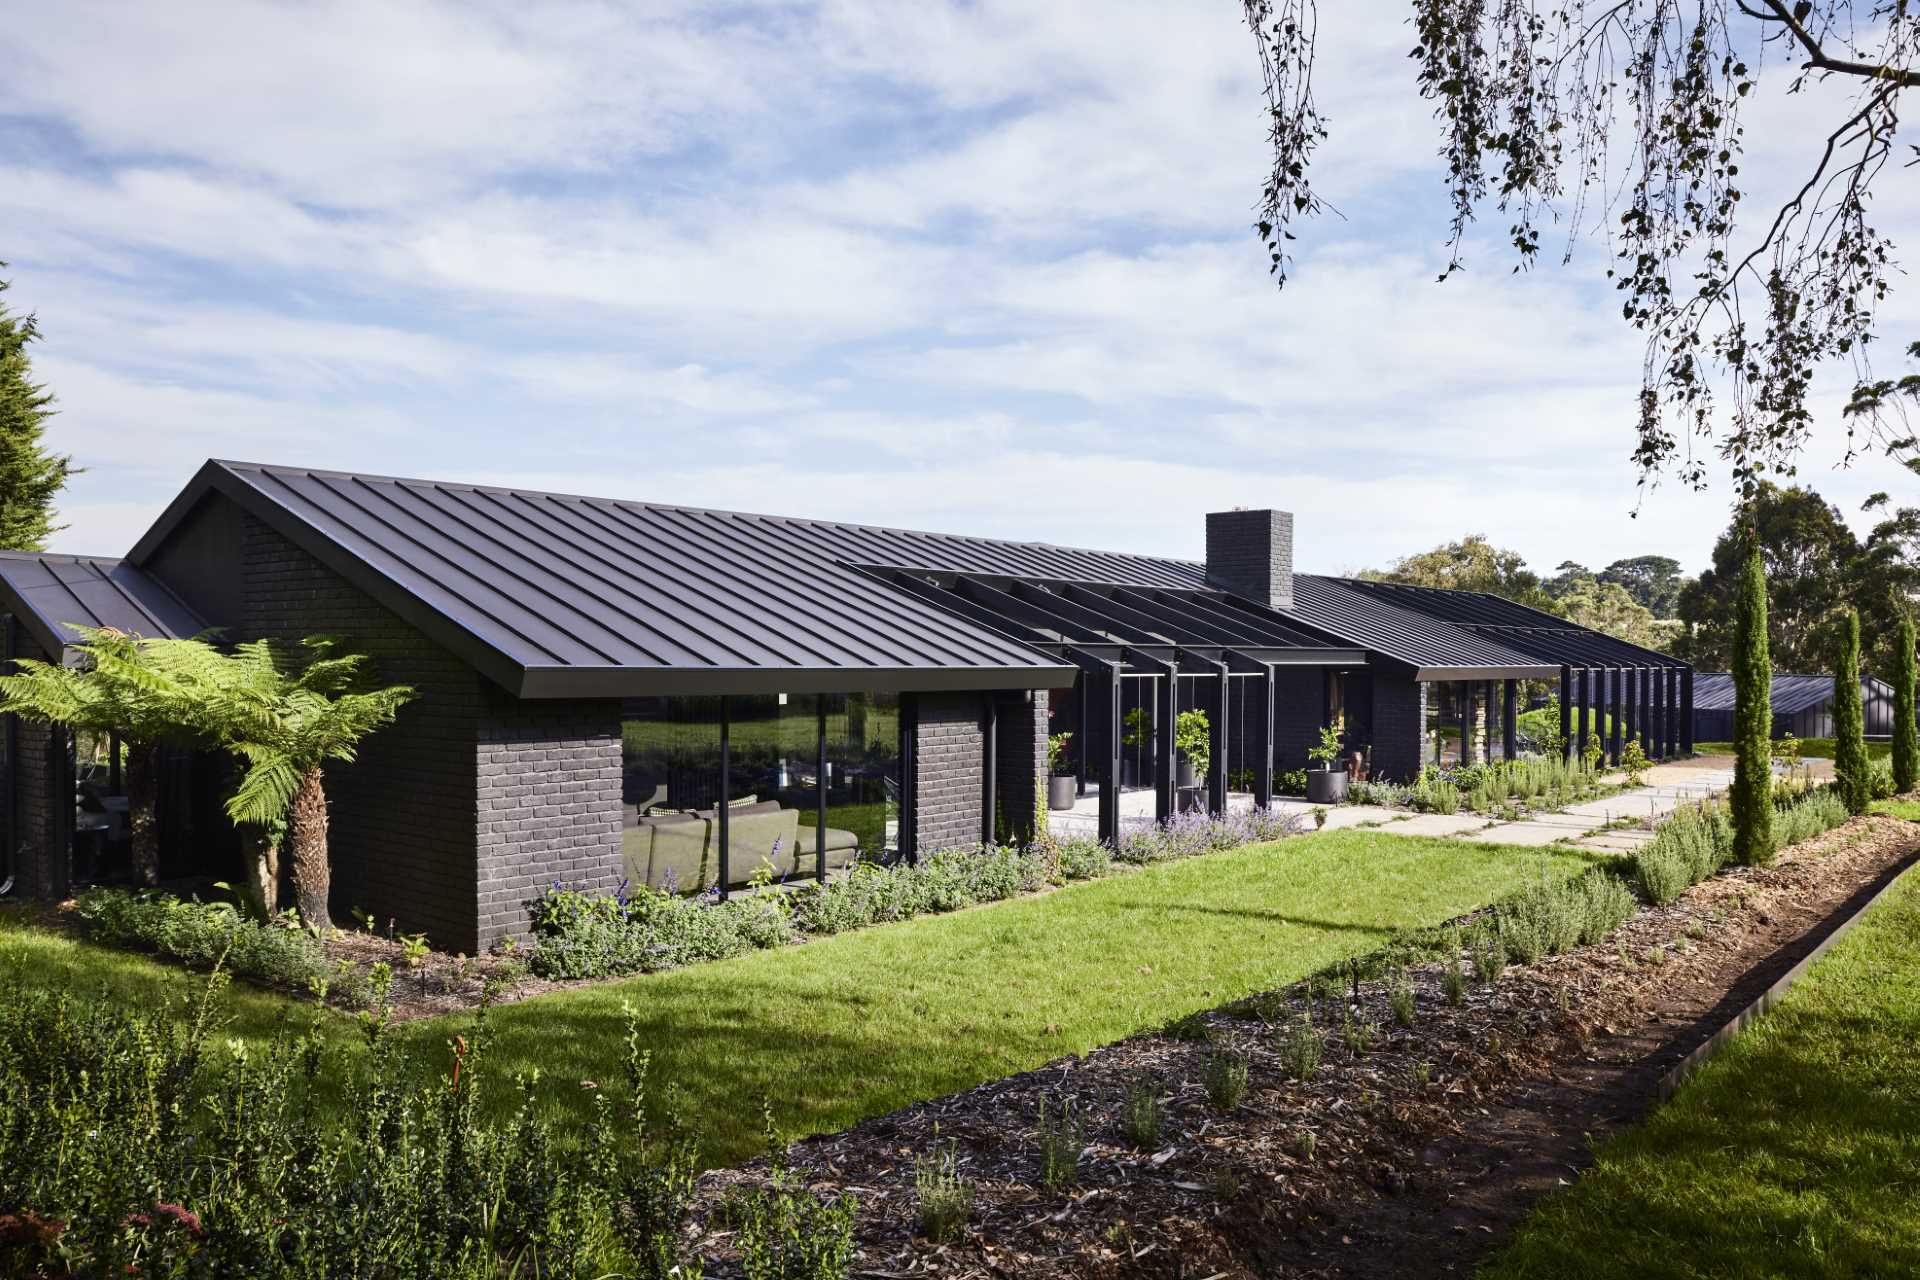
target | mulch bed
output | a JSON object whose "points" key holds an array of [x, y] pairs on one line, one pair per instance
{"points": [[1412, 1157]]}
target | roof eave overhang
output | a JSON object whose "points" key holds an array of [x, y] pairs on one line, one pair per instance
{"points": [[1539, 671], [636, 682]]}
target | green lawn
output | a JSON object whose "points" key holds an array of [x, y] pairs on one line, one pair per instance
{"points": [[1811, 748], [862, 1024], [1795, 1153]]}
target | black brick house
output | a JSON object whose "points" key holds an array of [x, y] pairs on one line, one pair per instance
{"points": [[611, 690]]}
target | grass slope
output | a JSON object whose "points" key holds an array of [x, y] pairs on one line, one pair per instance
{"points": [[1795, 1153], [859, 1025], [1810, 748]]}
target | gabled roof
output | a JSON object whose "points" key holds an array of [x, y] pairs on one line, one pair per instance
{"points": [[553, 595], [1789, 694], [556, 595], [1436, 648], [51, 594]]}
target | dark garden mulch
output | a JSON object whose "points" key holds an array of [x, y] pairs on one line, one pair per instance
{"points": [[1411, 1157]]}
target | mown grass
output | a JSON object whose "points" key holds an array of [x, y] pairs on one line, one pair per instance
{"points": [[1795, 1153], [1907, 807], [1810, 748], [864, 1023]]}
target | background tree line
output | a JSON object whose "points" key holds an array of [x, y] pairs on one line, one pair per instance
{"points": [[1816, 567]]}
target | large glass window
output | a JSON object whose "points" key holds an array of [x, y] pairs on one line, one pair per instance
{"points": [[673, 789]]}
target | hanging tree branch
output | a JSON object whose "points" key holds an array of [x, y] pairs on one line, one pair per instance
{"points": [[1624, 120]]}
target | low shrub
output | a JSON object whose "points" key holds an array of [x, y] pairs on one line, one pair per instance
{"points": [[593, 935], [1186, 835], [1140, 1113], [1298, 1044], [1697, 840], [148, 1146], [1225, 1079], [944, 1197], [1083, 858], [200, 934], [1556, 916], [1062, 1138]]}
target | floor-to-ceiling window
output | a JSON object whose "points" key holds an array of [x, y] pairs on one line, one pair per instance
{"points": [[771, 786]]}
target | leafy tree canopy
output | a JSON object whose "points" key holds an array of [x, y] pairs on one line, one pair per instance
{"points": [[1654, 581], [1624, 120], [1815, 568], [1471, 564]]}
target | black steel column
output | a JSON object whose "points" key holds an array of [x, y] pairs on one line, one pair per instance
{"points": [[1586, 710], [1109, 825], [990, 758], [1629, 711], [1686, 711], [1566, 712], [1613, 717], [1647, 743], [1262, 713], [1082, 692], [1510, 718], [909, 847], [1673, 711], [721, 807], [820, 773], [1217, 740], [1463, 691], [1166, 757], [1659, 713]]}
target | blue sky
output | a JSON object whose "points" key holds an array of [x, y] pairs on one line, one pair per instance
{"points": [[975, 267]]}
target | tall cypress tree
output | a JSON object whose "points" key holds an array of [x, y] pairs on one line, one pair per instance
{"points": [[29, 475], [1906, 733], [1752, 794], [1849, 723]]}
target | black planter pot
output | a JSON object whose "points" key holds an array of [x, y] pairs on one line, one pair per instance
{"points": [[1062, 790], [1326, 786], [1186, 775], [1129, 771]]}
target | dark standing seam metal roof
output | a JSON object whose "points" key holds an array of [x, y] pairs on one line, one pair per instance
{"points": [[1516, 626], [1058, 615], [1436, 648], [1791, 694], [559, 596], [554, 595], [51, 594]]}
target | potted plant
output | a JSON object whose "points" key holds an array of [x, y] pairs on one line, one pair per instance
{"points": [[1326, 784], [1062, 786], [1135, 735], [1193, 743]]}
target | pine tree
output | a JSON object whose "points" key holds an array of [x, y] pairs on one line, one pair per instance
{"points": [[1849, 724], [1906, 733], [1752, 795], [29, 475]]}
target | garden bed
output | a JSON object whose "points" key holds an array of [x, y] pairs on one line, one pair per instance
{"points": [[1410, 1158]]}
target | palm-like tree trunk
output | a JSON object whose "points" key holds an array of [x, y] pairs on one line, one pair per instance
{"points": [[260, 884], [143, 790], [311, 877]]}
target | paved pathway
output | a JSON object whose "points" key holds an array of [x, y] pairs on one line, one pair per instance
{"points": [[1588, 824]]}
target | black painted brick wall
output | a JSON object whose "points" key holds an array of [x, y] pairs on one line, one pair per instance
{"points": [[1399, 726], [949, 783], [1250, 553], [1021, 757], [1299, 706], [548, 790], [42, 868]]}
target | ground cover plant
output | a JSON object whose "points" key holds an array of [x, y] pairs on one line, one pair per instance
{"points": [[1793, 1152], [863, 1023]]}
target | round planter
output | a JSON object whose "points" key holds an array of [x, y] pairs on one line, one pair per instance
{"points": [[1062, 790], [1185, 775], [1326, 786]]}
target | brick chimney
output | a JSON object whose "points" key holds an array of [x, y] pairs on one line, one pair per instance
{"points": [[1250, 553]]}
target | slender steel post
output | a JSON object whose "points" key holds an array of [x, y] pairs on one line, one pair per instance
{"points": [[1110, 761], [989, 827], [722, 817], [1613, 717], [909, 847], [1167, 710], [820, 772], [1686, 711], [1263, 719], [1586, 710], [1463, 693], [1629, 710], [1082, 693], [1217, 740], [1510, 718], [1566, 711]]}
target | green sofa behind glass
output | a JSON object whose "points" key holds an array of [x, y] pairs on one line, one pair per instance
{"points": [[681, 850]]}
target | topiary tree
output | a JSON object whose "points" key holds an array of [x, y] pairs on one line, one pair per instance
{"points": [[1850, 771], [1906, 732], [121, 686], [1751, 799]]}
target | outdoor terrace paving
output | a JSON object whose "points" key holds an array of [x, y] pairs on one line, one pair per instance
{"points": [[1587, 824]]}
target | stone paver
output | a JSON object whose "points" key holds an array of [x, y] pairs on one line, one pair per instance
{"points": [[1437, 824], [1530, 834]]}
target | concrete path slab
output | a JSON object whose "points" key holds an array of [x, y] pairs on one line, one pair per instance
{"points": [[1531, 834], [1437, 824]]}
